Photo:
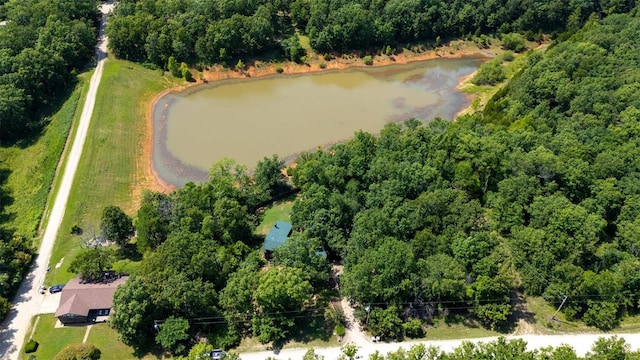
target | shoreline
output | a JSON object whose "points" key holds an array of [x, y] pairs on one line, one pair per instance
{"points": [[258, 69]]}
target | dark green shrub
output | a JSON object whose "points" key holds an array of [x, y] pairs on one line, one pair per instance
{"points": [[5, 307], [84, 351], [506, 56], [279, 69], [490, 73], [174, 69], [186, 73], [31, 346], [76, 230], [513, 41], [413, 328], [323, 65]]}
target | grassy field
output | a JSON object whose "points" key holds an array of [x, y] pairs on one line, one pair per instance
{"points": [[108, 173], [103, 336], [279, 210], [33, 167], [51, 340]]}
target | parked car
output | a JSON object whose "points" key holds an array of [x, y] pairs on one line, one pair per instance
{"points": [[56, 288], [218, 354]]}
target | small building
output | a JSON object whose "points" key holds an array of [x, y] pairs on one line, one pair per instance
{"points": [[87, 302], [277, 236]]}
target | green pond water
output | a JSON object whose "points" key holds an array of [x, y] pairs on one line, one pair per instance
{"points": [[247, 119]]}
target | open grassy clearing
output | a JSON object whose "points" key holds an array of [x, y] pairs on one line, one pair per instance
{"points": [[108, 173], [444, 331], [544, 324], [279, 210], [104, 338], [33, 167], [51, 339]]}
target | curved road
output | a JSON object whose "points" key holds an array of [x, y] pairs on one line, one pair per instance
{"points": [[28, 300], [581, 343]]}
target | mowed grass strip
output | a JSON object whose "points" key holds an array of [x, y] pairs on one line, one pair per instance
{"points": [[107, 173], [33, 167]]}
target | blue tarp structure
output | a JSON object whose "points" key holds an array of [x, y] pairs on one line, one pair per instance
{"points": [[277, 236]]}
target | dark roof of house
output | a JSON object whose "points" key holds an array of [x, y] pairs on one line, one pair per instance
{"points": [[277, 236], [78, 298]]}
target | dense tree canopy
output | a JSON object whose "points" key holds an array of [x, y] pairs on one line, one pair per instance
{"points": [[40, 46], [536, 194], [215, 31]]}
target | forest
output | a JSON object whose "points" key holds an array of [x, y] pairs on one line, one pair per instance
{"points": [[538, 194], [207, 32], [43, 45]]}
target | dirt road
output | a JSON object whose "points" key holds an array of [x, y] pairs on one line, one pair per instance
{"points": [[581, 343], [28, 300]]}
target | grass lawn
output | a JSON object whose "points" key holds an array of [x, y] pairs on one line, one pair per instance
{"points": [[33, 167], [543, 313], [105, 339], [108, 173], [279, 210], [50, 339], [457, 331]]}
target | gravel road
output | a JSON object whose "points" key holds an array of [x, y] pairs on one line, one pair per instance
{"points": [[28, 300], [581, 343]]}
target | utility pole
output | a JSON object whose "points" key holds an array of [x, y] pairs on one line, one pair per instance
{"points": [[560, 307], [367, 309]]}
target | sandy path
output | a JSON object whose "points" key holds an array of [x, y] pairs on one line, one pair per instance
{"points": [[28, 300], [581, 343]]}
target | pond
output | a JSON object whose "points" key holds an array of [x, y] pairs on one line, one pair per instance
{"points": [[248, 119]]}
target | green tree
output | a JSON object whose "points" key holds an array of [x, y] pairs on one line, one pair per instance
{"points": [[173, 66], [268, 176], [386, 323], [612, 348], [200, 351], [133, 313], [490, 73], [349, 351], [5, 307], [292, 48], [173, 333], [311, 355], [116, 225], [91, 264], [513, 41], [186, 73], [281, 294], [152, 222], [307, 255]]}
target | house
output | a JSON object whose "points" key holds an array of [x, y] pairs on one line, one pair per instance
{"points": [[277, 236], [87, 302]]}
